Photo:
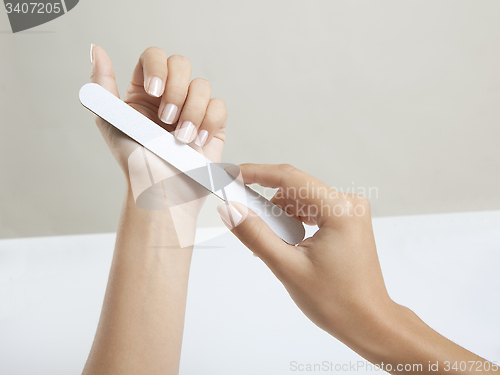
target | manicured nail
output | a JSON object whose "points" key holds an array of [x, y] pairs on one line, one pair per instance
{"points": [[229, 214], [155, 86], [201, 138], [169, 113], [92, 53], [185, 132]]}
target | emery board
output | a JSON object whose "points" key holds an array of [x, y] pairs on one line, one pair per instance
{"points": [[187, 160]]}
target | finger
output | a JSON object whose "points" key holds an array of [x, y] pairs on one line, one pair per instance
{"points": [[255, 234], [102, 70], [293, 207], [280, 198], [308, 199], [294, 183], [179, 75], [151, 71], [194, 110], [215, 118], [102, 73]]}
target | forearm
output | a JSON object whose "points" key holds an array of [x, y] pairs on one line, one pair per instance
{"points": [[400, 338], [142, 319]]}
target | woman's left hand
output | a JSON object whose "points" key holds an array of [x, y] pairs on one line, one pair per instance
{"points": [[162, 90]]}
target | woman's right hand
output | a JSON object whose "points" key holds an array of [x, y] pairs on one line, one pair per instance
{"points": [[334, 277]]}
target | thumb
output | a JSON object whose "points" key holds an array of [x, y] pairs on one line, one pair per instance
{"points": [[255, 234], [102, 71]]}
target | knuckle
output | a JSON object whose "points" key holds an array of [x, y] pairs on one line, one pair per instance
{"points": [[362, 200], [177, 92], [256, 230], [354, 206], [213, 118], [358, 200], [219, 104], [286, 168], [216, 113], [201, 83], [180, 60], [153, 50]]}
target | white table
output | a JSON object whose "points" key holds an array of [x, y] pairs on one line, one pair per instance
{"points": [[240, 320]]}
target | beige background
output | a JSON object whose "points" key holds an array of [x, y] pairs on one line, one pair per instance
{"points": [[398, 95]]}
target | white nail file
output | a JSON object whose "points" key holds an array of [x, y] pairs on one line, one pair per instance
{"points": [[187, 160]]}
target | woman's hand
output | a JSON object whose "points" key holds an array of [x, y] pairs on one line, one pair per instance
{"points": [[162, 90], [334, 277], [142, 319]]}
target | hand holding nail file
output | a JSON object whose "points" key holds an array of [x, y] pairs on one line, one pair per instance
{"points": [[187, 160]]}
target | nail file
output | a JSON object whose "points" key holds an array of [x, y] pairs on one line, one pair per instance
{"points": [[189, 161]]}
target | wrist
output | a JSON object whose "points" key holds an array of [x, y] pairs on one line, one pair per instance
{"points": [[158, 198], [386, 331], [369, 327], [377, 330], [397, 336], [160, 228]]}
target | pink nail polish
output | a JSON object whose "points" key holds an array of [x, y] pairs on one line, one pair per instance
{"points": [[229, 214], [201, 138], [185, 133], [169, 113], [155, 86]]}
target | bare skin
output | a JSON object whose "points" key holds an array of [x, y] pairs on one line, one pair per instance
{"points": [[335, 277], [142, 319]]}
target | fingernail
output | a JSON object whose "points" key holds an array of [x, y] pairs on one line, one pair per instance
{"points": [[186, 132], [201, 138], [229, 214], [155, 86], [92, 53], [169, 113]]}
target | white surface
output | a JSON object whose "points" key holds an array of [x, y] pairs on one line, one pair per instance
{"points": [[240, 320]]}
